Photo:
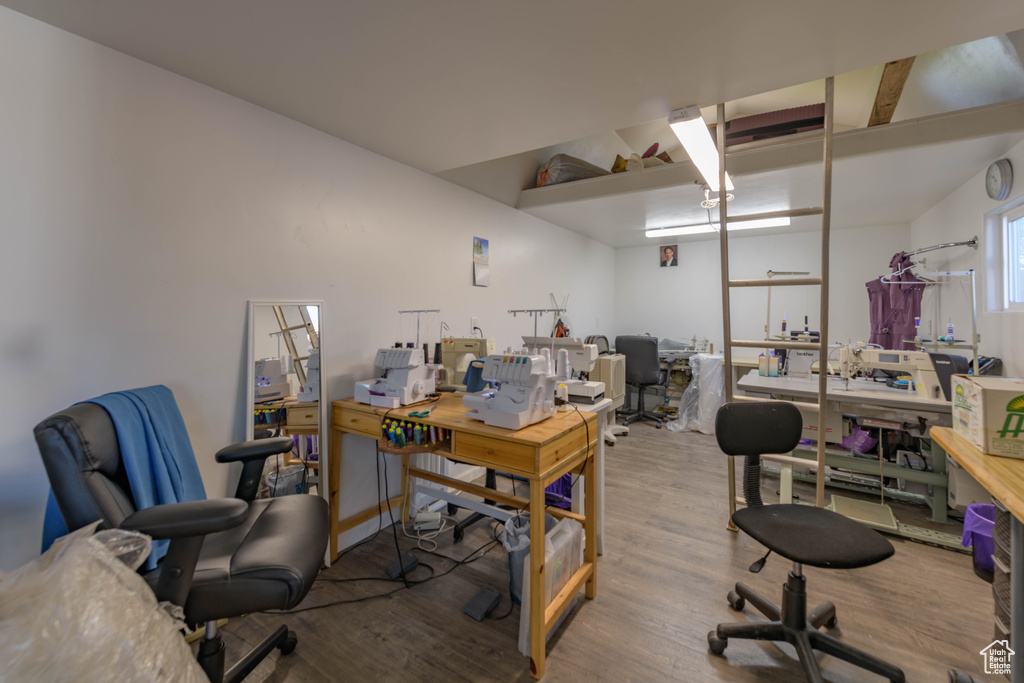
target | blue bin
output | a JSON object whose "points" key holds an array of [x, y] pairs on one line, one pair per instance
{"points": [[979, 521]]}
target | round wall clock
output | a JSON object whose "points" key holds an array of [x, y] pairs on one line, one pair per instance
{"points": [[999, 179]]}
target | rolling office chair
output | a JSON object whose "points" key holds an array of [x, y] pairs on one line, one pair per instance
{"points": [[227, 557], [800, 533], [643, 369]]}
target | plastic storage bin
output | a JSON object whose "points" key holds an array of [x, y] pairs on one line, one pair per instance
{"points": [[563, 555], [978, 525]]}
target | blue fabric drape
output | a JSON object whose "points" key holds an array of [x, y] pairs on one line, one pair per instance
{"points": [[157, 454]]}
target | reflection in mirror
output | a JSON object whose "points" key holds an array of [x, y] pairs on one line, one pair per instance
{"points": [[285, 391]]}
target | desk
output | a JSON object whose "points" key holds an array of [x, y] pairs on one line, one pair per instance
{"points": [[1004, 479], [864, 398], [539, 453]]}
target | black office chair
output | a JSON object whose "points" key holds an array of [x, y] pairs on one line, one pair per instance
{"points": [[643, 369], [800, 533], [227, 556]]}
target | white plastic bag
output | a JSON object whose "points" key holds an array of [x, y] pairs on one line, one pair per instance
{"points": [[78, 613], [287, 480], [705, 394]]}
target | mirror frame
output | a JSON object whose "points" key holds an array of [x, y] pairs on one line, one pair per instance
{"points": [[323, 476]]}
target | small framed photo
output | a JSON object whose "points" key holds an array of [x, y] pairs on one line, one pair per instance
{"points": [[669, 255]]}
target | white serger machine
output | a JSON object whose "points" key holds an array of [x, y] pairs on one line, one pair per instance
{"points": [[407, 379], [272, 378], [310, 391], [524, 390], [581, 358]]}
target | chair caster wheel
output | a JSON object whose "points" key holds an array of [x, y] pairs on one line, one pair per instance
{"points": [[659, 425], [831, 623], [457, 534], [716, 644], [287, 646], [736, 601], [452, 509]]}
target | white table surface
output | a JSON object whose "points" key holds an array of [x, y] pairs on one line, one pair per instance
{"points": [[859, 392]]}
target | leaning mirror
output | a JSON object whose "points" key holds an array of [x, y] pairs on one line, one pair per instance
{"points": [[285, 392]]}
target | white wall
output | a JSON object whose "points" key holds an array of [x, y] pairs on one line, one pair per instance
{"points": [[141, 211], [686, 300], [958, 217]]}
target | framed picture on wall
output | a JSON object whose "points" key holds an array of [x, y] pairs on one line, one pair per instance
{"points": [[669, 254]]}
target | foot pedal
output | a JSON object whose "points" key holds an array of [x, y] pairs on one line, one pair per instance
{"points": [[405, 564], [485, 600]]}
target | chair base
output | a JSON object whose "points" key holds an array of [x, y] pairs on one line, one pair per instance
{"points": [[794, 625], [631, 416], [613, 431], [211, 654]]}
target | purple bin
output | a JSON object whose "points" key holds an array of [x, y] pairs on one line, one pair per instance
{"points": [[979, 521]]}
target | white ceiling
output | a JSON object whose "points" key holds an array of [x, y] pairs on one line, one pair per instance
{"points": [[447, 84]]}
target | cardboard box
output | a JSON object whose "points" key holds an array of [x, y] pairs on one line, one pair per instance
{"points": [[989, 412]]}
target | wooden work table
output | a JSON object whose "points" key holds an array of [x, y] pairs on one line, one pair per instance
{"points": [[540, 453], [1004, 479]]}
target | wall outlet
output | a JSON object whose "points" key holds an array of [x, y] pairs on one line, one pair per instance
{"points": [[473, 324]]}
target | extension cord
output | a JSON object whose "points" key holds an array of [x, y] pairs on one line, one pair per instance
{"points": [[427, 521]]}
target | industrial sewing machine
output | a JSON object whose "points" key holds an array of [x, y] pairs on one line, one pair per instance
{"points": [[930, 372], [581, 358], [525, 390], [272, 378], [455, 349], [407, 379]]}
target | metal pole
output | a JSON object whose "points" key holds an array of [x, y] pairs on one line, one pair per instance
{"points": [[727, 328], [826, 215], [974, 323]]}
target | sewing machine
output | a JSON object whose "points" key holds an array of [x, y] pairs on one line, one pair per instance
{"points": [[930, 372], [407, 379], [525, 390], [581, 358], [455, 349], [272, 378], [310, 391]]}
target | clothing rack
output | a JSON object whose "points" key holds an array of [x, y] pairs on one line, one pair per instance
{"points": [[972, 243]]}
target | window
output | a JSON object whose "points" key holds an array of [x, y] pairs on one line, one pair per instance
{"points": [[1013, 260]]}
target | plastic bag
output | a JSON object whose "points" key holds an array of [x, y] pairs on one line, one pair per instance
{"points": [[78, 613], [287, 480], [699, 404], [516, 539]]}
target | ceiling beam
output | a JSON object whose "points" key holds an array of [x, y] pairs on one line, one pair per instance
{"points": [[894, 77]]}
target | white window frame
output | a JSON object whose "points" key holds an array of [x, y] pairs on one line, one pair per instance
{"points": [[1014, 215]]}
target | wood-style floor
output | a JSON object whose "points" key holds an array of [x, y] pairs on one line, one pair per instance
{"points": [[669, 562]]}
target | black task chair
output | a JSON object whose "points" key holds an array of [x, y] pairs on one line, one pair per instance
{"points": [[800, 533], [227, 556], [643, 369]]}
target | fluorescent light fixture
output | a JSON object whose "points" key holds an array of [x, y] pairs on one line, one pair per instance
{"points": [[734, 224], [693, 133]]}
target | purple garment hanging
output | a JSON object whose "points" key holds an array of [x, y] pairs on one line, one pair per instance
{"points": [[893, 306]]}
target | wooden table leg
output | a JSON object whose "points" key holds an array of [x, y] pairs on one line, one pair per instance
{"points": [[590, 523], [405, 488], [537, 606], [334, 485]]}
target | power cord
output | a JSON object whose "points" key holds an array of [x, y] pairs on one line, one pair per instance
{"points": [[468, 559]]}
